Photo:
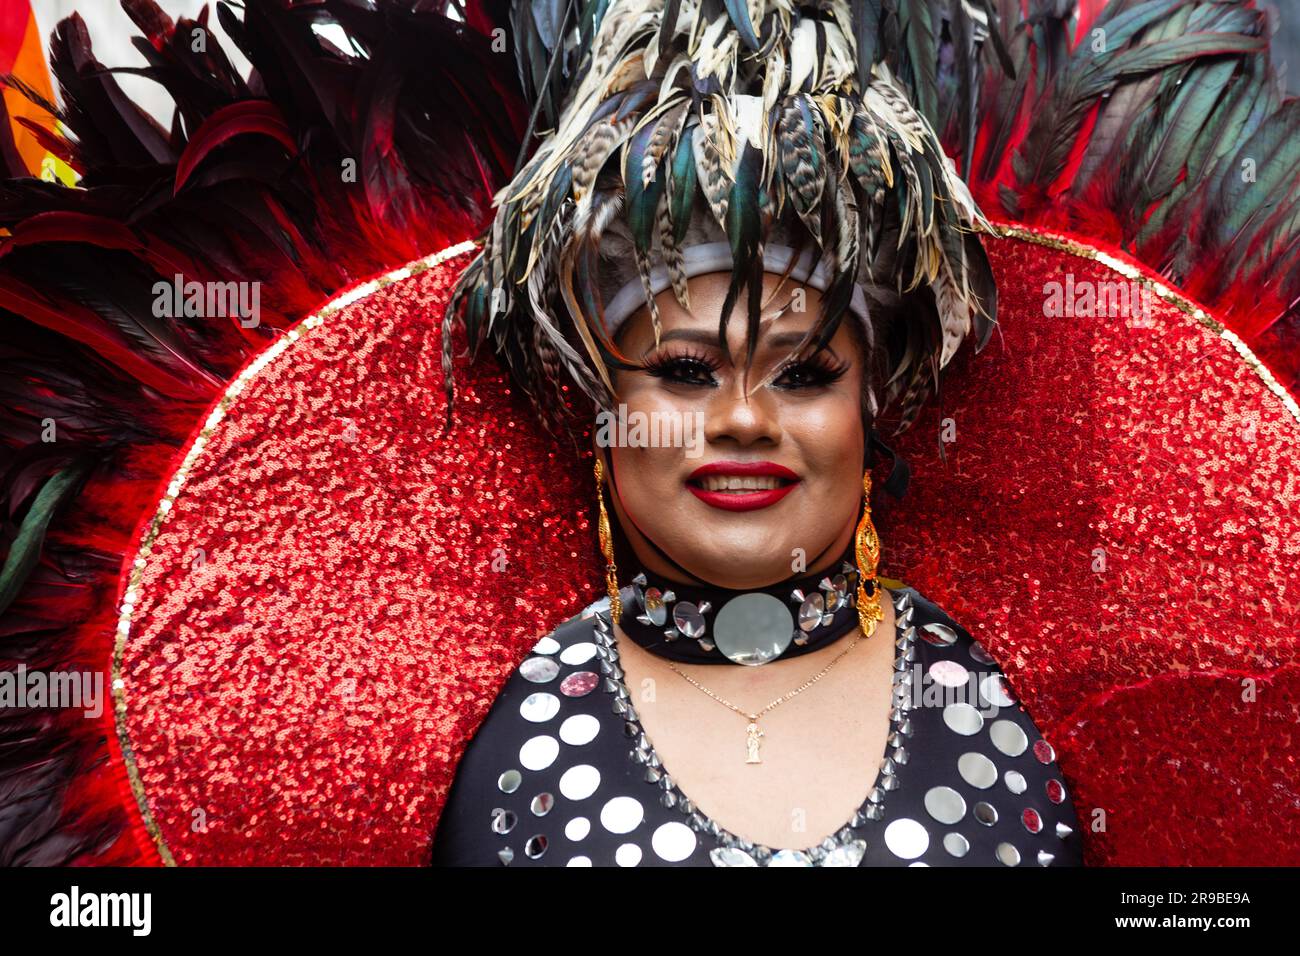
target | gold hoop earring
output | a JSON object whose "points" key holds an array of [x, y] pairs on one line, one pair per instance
{"points": [[607, 546], [870, 610]]}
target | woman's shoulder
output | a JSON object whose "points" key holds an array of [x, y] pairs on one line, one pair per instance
{"points": [[957, 689], [508, 741]]}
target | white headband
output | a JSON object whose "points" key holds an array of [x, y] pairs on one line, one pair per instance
{"points": [[716, 257]]}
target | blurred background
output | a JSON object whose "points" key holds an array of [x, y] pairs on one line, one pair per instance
{"points": [[112, 32]]}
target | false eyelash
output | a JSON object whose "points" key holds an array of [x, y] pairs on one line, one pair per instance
{"points": [[661, 365], [825, 371]]}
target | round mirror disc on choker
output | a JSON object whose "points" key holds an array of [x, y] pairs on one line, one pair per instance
{"points": [[753, 628]]}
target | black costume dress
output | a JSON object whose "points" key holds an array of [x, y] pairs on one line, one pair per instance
{"points": [[560, 773]]}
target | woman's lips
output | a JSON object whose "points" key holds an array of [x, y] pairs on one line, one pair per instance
{"points": [[741, 485]]}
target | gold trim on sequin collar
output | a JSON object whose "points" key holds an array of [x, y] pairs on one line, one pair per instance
{"points": [[1062, 243]]}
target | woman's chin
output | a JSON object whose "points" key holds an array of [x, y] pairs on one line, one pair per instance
{"points": [[740, 565]]}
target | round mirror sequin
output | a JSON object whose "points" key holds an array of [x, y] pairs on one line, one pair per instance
{"points": [[956, 844], [538, 753], [542, 804], [945, 804], [503, 821], [980, 655], [579, 729], [994, 690], [940, 635], [906, 838], [985, 813], [753, 629], [688, 620], [963, 719], [622, 814], [629, 854], [539, 670], [1008, 854], [578, 653], [673, 842], [1015, 781], [509, 781], [539, 707], [580, 782], [652, 600], [535, 847], [579, 684], [547, 645], [1008, 737], [948, 673], [977, 770], [577, 829]]}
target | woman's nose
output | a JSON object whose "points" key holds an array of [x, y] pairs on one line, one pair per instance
{"points": [[744, 419]]}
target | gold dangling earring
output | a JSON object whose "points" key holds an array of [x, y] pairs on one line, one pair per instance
{"points": [[607, 547], [870, 611]]}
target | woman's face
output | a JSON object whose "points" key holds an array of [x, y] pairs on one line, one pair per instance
{"points": [[757, 487]]}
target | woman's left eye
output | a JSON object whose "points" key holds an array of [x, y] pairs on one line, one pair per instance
{"points": [[806, 375]]}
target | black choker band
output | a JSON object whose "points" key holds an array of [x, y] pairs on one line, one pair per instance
{"points": [[702, 624]]}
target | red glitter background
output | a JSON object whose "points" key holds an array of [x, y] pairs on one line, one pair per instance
{"points": [[339, 590]]}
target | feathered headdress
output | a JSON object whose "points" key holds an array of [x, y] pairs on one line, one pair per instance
{"points": [[769, 116]]}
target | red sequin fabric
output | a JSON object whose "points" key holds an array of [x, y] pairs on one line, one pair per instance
{"points": [[336, 590]]}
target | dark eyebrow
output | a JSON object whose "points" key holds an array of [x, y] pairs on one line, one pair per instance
{"points": [[776, 340]]}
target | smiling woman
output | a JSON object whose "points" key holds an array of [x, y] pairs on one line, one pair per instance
{"points": [[612, 743], [749, 693]]}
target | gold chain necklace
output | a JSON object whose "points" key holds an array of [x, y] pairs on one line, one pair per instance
{"points": [[752, 732]]}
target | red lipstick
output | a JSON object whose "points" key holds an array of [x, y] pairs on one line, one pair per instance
{"points": [[749, 499]]}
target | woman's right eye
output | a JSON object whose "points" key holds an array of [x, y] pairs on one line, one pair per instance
{"points": [[683, 370]]}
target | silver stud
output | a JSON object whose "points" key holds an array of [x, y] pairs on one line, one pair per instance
{"points": [[811, 611]]}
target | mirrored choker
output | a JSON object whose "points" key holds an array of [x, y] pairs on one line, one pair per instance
{"points": [[702, 624]]}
